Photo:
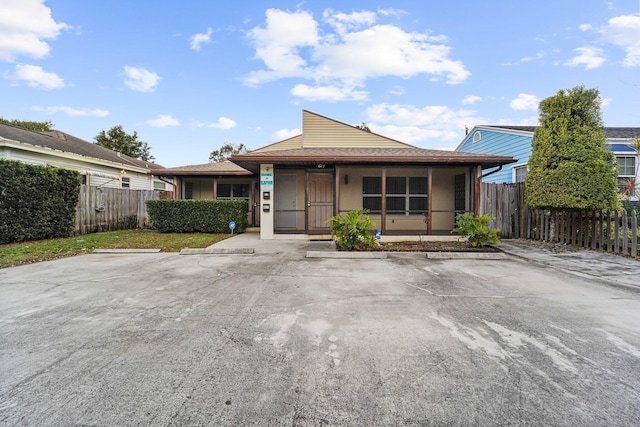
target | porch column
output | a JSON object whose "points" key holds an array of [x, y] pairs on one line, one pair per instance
{"points": [[336, 193], [429, 199], [383, 202], [215, 188], [476, 191], [267, 198]]}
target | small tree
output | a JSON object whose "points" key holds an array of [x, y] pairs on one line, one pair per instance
{"points": [[34, 126], [117, 139], [226, 151], [364, 127], [571, 167]]}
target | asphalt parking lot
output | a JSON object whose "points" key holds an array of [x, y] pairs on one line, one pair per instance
{"points": [[275, 338]]}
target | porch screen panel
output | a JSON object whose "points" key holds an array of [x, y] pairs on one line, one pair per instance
{"points": [[372, 194], [396, 194], [418, 195]]}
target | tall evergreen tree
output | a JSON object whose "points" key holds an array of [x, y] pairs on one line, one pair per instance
{"points": [[571, 167]]}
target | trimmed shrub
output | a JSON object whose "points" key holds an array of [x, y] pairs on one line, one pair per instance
{"points": [[204, 216], [36, 202], [476, 229], [351, 230]]}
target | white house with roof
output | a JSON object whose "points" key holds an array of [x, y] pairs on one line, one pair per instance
{"points": [[97, 165]]}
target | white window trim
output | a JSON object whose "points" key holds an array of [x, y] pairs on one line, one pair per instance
{"points": [[513, 170], [477, 136]]}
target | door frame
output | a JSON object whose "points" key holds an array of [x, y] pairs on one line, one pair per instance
{"points": [[307, 203]]}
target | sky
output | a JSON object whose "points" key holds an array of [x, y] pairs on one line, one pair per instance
{"points": [[192, 75]]}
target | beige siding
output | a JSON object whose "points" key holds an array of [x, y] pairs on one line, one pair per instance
{"points": [[319, 131], [287, 144]]}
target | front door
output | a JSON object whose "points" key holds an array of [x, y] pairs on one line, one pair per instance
{"points": [[285, 203], [319, 202]]}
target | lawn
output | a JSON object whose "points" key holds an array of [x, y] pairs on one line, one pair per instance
{"points": [[13, 254]]}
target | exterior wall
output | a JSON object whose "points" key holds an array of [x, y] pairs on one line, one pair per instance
{"points": [[502, 144], [323, 132], [202, 188], [138, 181], [442, 188]]}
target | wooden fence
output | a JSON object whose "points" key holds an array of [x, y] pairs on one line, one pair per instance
{"points": [[107, 209], [505, 202], [610, 231], [613, 231]]}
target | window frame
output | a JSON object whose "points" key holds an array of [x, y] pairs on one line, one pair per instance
{"points": [[372, 200], [125, 182]]}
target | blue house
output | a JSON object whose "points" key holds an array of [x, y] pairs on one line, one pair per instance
{"points": [[515, 141]]}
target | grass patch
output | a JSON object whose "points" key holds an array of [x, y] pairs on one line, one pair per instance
{"points": [[14, 254]]}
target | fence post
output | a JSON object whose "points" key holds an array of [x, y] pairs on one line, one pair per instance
{"points": [[625, 235], [616, 237], [634, 234]]}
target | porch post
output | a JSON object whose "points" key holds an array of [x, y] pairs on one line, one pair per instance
{"points": [[383, 202], [336, 193], [476, 193], [215, 188], [429, 199]]}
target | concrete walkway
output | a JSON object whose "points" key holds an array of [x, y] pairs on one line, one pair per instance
{"points": [[614, 269]]}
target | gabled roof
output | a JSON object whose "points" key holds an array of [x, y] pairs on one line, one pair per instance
{"points": [[609, 132], [60, 141], [221, 168], [370, 155]]}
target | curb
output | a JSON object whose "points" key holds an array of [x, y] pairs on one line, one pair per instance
{"points": [[346, 255], [126, 251], [217, 251]]}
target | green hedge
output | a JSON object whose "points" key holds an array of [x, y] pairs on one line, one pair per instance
{"points": [[36, 202], [204, 216]]}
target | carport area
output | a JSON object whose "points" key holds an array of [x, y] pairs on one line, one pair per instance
{"points": [[275, 338]]}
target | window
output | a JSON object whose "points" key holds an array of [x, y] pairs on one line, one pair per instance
{"points": [[626, 166], [126, 182], [520, 173], [188, 190], [158, 185], [477, 136], [404, 195], [233, 192]]}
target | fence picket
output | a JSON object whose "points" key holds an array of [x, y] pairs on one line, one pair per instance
{"points": [[103, 209]]}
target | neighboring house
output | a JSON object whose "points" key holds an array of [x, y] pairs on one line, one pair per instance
{"points": [[98, 165], [515, 141], [297, 184]]}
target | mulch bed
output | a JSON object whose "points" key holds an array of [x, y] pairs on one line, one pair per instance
{"points": [[429, 246]]}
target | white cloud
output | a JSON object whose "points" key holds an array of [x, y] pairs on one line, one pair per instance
{"points": [[585, 27], [198, 40], [525, 101], [24, 27], [437, 124], [590, 57], [283, 134], [162, 121], [73, 112], [36, 77], [222, 123], [346, 52], [605, 101], [397, 90], [471, 99], [328, 93], [141, 79], [624, 31]]}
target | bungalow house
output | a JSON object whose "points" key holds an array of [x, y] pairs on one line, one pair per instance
{"points": [[294, 186], [97, 165], [516, 141]]}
